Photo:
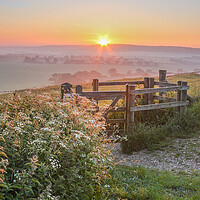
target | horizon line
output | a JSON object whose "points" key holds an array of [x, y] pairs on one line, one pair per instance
{"points": [[138, 45]]}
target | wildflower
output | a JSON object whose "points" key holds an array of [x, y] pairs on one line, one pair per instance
{"points": [[34, 159], [16, 143]]}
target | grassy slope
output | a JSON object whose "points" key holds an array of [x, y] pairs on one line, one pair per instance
{"points": [[140, 183]]}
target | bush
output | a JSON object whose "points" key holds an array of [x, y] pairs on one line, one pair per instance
{"points": [[145, 135], [52, 148]]}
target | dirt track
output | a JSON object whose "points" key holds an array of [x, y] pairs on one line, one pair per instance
{"points": [[181, 154]]}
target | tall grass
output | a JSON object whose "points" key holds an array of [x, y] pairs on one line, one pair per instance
{"points": [[161, 126]]}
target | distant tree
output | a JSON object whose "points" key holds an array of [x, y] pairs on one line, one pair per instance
{"points": [[179, 70], [55, 60], [197, 70], [141, 72], [77, 78], [27, 59], [112, 71]]}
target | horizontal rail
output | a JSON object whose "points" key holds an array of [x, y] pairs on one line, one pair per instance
{"points": [[113, 121], [120, 83], [105, 95], [99, 94], [108, 98], [163, 89], [134, 82], [159, 106]]}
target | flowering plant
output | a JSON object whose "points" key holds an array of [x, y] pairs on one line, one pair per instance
{"points": [[53, 148]]}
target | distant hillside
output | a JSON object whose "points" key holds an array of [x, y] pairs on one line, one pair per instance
{"points": [[89, 48]]}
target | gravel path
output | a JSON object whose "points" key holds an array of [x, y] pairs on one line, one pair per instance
{"points": [[182, 154]]}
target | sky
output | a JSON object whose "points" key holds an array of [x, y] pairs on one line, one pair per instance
{"points": [[62, 22]]}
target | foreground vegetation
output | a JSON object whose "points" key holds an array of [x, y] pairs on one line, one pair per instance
{"points": [[140, 183], [157, 127], [55, 150], [50, 149], [160, 127]]}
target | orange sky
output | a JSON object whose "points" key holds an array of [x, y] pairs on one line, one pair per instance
{"points": [[144, 22]]}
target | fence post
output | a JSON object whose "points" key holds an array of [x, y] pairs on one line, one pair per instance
{"points": [[162, 79], [184, 98], [146, 85], [127, 114], [162, 75], [151, 85], [96, 88], [61, 92], [79, 89], [95, 84], [179, 96], [130, 102]]}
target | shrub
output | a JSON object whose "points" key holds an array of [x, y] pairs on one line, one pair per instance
{"points": [[145, 135], [52, 148]]}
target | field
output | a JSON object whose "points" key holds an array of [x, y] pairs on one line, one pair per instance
{"points": [[56, 150]]}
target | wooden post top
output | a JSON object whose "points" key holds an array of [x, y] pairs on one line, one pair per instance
{"points": [[79, 89], [130, 87], [162, 75], [95, 84]]}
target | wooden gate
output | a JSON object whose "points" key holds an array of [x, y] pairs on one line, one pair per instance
{"points": [[152, 90]]}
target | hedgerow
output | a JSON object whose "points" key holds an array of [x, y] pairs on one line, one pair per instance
{"points": [[50, 149]]}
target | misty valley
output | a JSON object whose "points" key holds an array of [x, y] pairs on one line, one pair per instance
{"points": [[22, 68]]}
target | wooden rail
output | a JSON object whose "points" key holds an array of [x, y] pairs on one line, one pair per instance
{"points": [[99, 94], [163, 89], [120, 83], [131, 93], [159, 106]]}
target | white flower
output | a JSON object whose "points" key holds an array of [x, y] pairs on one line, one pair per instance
{"points": [[39, 141], [107, 186], [17, 128], [46, 129]]}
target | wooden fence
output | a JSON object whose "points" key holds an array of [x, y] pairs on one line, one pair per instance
{"points": [[149, 91]]}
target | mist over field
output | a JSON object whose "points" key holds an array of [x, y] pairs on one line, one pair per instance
{"points": [[33, 67]]}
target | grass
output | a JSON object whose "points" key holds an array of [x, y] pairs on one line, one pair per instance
{"points": [[193, 81], [158, 133], [140, 183]]}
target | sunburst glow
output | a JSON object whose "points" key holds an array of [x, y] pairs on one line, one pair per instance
{"points": [[103, 42]]}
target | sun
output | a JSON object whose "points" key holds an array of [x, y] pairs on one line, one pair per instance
{"points": [[103, 42]]}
